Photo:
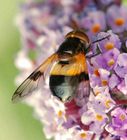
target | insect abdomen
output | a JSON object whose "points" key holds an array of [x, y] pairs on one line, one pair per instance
{"points": [[64, 87]]}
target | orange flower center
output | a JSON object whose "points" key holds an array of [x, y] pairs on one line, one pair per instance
{"points": [[96, 28], [109, 46], [83, 135], [97, 92], [111, 62], [119, 21], [107, 103], [104, 82], [122, 117], [99, 117], [60, 113], [96, 72]]}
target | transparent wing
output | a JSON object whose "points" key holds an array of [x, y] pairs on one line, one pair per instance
{"points": [[31, 83]]}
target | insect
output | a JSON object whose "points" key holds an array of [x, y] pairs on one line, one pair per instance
{"points": [[68, 68]]}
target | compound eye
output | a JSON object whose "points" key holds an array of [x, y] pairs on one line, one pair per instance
{"points": [[78, 34]]}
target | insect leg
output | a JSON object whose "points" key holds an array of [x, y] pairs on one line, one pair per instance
{"points": [[98, 40]]}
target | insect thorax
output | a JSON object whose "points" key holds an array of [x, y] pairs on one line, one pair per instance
{"points": [[73, 46]]}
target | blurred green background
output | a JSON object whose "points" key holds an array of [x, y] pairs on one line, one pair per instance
{"points": [[16, 120]]}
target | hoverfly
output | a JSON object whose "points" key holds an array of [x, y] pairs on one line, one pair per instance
{"points": [[68, 69]]}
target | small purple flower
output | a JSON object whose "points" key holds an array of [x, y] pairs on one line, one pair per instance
{"points": [[109, 43], [119, 118], [121, 65], [100, 69], [102, 101], [117, 20], [119, 122], [94, 22], [106, 60], [100, 77], [96, 121]]}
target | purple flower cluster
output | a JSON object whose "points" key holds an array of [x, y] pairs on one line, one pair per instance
{"points": [[43, 26]]}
